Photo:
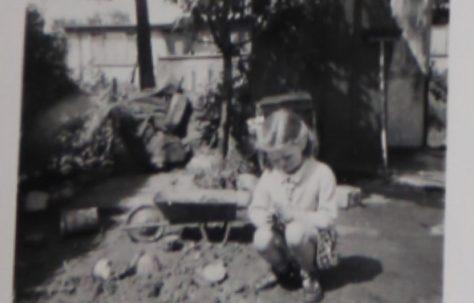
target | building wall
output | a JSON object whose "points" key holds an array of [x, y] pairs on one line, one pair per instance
{"points": [[198, 72], [439, 48], [105, 54], [405, 99], [113, 54]]}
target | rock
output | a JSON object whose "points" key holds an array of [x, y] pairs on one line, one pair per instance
{"points": [[145, 264], [348, 196], [215, 272], [77, 221], [173, 243], [375, 199], [103, 269], [246, 182], [36, 201]]}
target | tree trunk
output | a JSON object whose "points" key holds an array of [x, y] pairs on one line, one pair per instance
{"points": [[145, 59], [226, 106]]}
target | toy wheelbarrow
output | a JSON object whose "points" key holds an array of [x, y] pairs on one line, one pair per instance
{"points": [[148, 223]]}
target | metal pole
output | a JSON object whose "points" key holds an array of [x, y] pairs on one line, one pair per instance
{"points": [[384, 106]]}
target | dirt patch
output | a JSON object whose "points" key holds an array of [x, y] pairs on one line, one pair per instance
{"points": [[384, 247]]}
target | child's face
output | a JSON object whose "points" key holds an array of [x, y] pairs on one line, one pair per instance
{"points": [[287, 160]]}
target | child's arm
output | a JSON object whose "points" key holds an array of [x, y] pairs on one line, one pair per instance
{"points": [[260, 210]]}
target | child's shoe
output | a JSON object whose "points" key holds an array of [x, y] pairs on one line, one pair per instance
{"points": [[312, 291], [275, 275], [267, 282]]}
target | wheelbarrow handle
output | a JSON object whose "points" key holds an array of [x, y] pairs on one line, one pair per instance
{"points": [[145, 225]]}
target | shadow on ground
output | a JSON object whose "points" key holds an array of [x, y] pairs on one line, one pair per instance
{"points": [[351, 270], [239, 234]]}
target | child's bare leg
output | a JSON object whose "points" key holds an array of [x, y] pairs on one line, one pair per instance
{"points": [[272, 248], [298, 239], [300, 246]]}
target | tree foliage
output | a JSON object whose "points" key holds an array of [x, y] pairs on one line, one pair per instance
{"points": [[45, 81], [45, 78], [224, 19]]}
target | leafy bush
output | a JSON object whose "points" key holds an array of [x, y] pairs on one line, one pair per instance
{"points": [[45, 80], [46, 77]]}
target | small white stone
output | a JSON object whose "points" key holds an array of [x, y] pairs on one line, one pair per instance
{"points": [[347, 196], [215, 272], [103, 269], [147, 265]]}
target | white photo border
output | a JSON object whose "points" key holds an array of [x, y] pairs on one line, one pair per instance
{"points": [[459, 240]]}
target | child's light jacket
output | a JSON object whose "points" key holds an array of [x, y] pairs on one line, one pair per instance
{"points": [[307, 196]]}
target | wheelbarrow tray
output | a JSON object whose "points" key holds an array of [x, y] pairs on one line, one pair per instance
{"points": [[200, 205]]}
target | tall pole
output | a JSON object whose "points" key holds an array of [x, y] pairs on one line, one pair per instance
{"points": [[383, 39], [383, 94], [145, 59]]}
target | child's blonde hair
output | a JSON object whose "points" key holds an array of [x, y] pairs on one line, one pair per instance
{"points": [[284, 128]]}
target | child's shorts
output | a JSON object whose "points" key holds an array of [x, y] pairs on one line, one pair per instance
{"points": [[326, 249], [325, 243]]}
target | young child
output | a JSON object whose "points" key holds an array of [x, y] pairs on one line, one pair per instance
{"points": [[294, 204]]}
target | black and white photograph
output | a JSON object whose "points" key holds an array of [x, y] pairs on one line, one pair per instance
{"points": [[241, 151]]}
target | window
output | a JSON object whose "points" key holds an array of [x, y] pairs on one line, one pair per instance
{"points": [[440, 12]]}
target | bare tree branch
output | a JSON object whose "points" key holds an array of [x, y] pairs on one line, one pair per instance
{"points": [[213, 28]]}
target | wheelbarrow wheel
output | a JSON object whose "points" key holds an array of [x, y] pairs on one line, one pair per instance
{"points": [[146, 223]]}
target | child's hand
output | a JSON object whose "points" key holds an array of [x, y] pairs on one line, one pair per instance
{"points": [[285, 217], [270, 218]]}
